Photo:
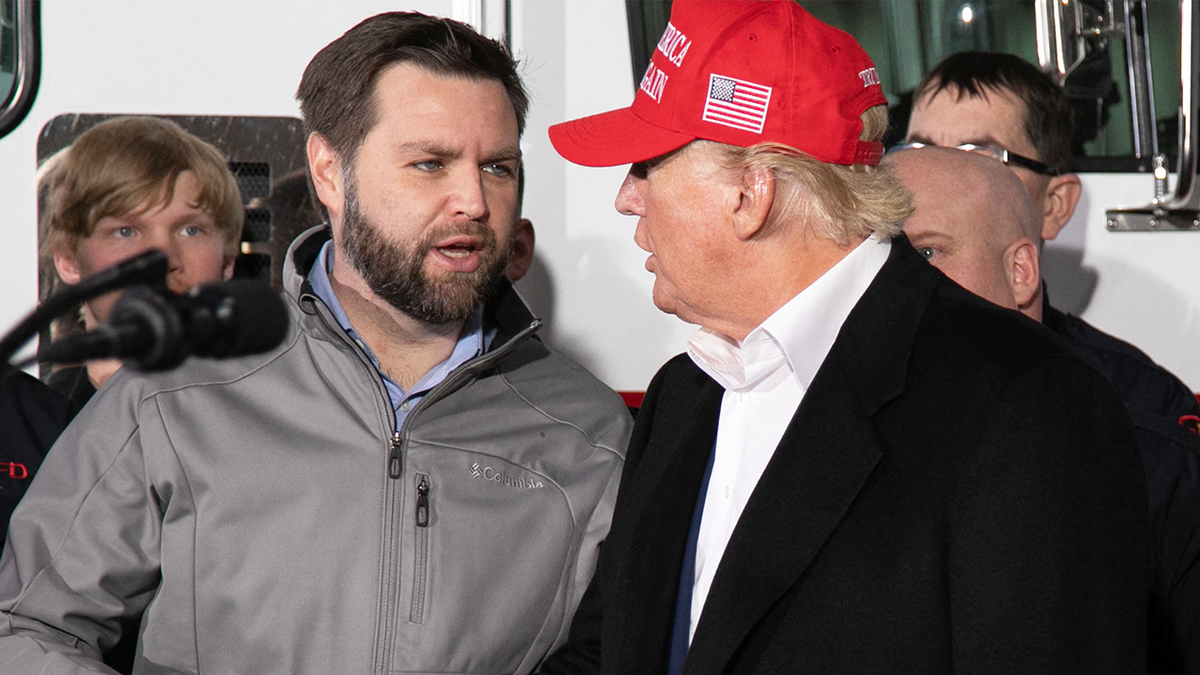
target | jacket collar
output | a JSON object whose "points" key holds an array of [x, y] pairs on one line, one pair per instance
{"points": [[873, 348], [506, 312]]}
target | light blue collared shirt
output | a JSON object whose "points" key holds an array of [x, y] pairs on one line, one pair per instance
{"points": [[470, 344]]}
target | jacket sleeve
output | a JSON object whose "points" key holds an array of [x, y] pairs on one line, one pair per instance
{"points": [[1047, 546], [581, 655], [82, 553], [599, 520]]}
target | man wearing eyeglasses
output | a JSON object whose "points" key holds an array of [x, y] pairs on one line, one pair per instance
{"points": [[1002, 107]]}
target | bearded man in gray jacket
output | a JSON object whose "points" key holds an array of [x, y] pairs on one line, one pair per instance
{"points": [[411, 482]]}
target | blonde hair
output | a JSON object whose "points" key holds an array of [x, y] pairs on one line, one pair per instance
{"points": [[835, 201], [125, 163]]}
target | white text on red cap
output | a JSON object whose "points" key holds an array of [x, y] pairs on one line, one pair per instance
{"points": [[653, 82], [671, 41], [674, 45]]}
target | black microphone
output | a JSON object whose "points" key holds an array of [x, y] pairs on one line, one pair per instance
{"points": [[157, 331], [149, 267]]}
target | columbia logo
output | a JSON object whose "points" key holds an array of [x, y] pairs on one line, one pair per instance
{"points": [[490, 474]]}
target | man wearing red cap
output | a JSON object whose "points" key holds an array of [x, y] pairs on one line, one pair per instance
{"points": [[858, 466]]}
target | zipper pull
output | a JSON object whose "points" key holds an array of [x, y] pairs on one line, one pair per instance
{"points": [[423, 503], [395, 465]]}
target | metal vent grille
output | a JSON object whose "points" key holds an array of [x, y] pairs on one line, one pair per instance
{"points": [[258, 226], [253, 179]]}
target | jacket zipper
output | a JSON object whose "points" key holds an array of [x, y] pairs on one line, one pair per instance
{"points": [[416, 612], [395, 462], [385, 633]]}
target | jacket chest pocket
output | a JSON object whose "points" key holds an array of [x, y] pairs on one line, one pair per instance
{"points": [[487, 549]]}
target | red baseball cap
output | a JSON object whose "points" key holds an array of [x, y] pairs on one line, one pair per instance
{"points": [[739, 72]]}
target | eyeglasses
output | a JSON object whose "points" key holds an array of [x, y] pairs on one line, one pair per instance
{"points": [[998, 154]]}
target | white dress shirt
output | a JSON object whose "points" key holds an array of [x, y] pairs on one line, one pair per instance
{"points": [[765, 378]]}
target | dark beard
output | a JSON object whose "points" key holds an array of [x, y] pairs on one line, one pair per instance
{"points": [[398, 275]]}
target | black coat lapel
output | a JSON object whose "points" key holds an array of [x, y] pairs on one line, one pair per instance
{"points": [[825, 457]]}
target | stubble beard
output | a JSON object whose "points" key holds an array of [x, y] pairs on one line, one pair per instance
{"points": [[398, 275]]}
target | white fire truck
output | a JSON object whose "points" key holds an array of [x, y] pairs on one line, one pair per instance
{"points": [[1129, 262]]}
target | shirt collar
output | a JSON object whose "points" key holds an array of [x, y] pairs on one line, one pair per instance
{"points": [[797, 337], [470, 344]]}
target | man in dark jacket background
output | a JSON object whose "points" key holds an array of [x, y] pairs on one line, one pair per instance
{"points": [[1008, 109]]}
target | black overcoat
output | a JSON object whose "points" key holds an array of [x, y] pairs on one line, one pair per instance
{"points": [[957, 492]]}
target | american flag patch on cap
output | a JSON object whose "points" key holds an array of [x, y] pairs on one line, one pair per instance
{"points": [[736, 103]]}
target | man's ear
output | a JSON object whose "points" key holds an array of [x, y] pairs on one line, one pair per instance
{"points": [[1062, 194], [67, 266], [325, 166], [521, 258], [1023, 270], [754, 200]]}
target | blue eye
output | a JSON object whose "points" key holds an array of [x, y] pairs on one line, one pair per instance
{"points": [[926, 252], [123, 232], [497, 169], [428, 165], [190, 231]]}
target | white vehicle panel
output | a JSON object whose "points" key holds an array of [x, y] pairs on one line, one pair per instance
{"points": [[1143, 287]]}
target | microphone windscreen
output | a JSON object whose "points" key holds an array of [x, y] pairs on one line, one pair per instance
{"points": [[152, 329], [253, 315]]}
